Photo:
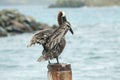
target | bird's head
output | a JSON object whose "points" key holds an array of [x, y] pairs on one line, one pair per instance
{"points": [[62, 19]]}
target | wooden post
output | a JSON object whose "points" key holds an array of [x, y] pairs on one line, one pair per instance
{"points": [[59, 72]]}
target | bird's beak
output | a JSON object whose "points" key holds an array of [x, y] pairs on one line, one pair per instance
{"points": [[71, 30], [64, 19]]}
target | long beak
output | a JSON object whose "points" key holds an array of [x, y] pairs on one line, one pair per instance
{"points": [[71, 30], [64, 19]]}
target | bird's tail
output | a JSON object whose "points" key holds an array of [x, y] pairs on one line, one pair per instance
{"points": [[41, 58], [29, 45]]}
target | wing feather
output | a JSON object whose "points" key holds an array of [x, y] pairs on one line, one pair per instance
{"points": [[40, 37]]}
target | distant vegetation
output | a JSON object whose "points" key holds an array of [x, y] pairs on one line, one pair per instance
{"points": [[102, 2], [68, 3], [80, 3]]}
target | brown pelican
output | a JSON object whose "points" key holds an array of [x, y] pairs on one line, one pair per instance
{"points": [[52, 40]]}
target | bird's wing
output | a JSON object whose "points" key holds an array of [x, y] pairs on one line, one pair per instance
{"points": [[40, 37]]}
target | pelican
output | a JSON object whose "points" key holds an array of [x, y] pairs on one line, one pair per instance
{"points": [[52, 40]]}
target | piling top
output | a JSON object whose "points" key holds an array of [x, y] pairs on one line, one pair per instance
{"points": [[59, 67]]}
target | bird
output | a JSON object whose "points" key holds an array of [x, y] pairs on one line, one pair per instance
{"points": [[52, 40]]}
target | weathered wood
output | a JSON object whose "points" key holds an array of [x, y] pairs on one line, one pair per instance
{"points": [[59, 72]]}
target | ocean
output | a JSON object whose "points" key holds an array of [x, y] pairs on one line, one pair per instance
{"points": [[93, 51]]}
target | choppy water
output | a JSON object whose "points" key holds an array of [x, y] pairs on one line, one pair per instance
{"points": [[93, 51]]}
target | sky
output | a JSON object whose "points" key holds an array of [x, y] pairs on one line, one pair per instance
{"points": [[23, 2]]}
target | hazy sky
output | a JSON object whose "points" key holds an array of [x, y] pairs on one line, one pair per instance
{"points": [[30, 2]]}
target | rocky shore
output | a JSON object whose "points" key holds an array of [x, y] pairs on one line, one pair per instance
{"points": [[13, 22]]}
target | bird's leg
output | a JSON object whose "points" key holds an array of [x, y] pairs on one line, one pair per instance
{"points": [[57, 60]]}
